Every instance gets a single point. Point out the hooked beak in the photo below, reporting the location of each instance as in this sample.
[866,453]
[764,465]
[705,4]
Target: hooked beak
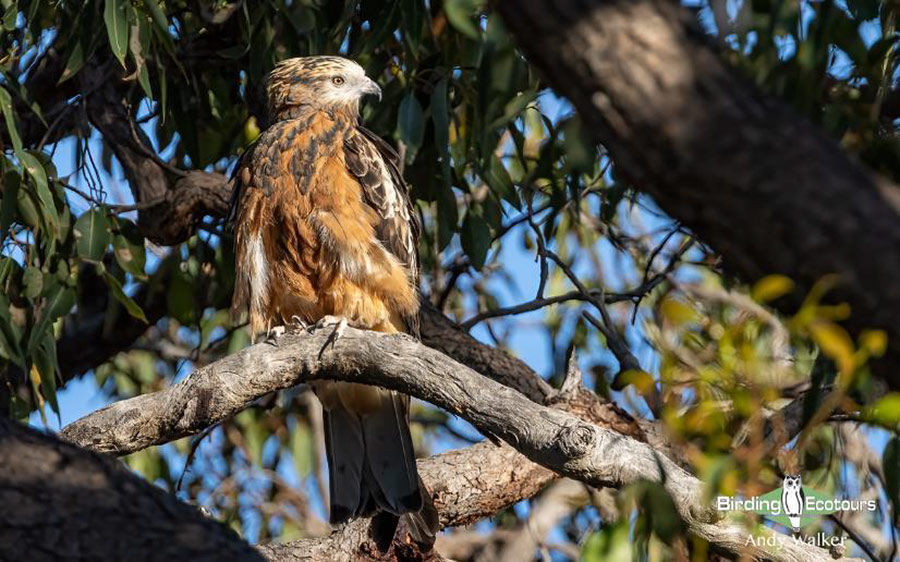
[371,87]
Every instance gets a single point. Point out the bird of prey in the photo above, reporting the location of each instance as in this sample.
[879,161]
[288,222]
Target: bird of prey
[325,232]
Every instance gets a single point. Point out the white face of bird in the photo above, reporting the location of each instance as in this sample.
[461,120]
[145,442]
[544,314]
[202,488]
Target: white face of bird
[326,82]
[347,85]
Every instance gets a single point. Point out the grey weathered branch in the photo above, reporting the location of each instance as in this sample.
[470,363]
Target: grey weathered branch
[56,487]
[547,436]
[466,485]
[752,179]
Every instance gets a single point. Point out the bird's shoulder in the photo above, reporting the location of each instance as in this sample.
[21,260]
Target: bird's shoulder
[283,158]
[376,167]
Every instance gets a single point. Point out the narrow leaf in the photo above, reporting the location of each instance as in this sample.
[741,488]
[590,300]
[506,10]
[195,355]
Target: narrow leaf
[475,237]
[460,15]
[128,247]
[115,15]
[411,124]
[9,116]
[74,64]
[117,291]
[58,301]
[152,6]
[34,282]
[48,207]
[10,17]
[46,361]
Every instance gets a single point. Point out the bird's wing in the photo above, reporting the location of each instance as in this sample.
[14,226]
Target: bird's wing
[241,296]
[237,183]
[256,179]
[376,166]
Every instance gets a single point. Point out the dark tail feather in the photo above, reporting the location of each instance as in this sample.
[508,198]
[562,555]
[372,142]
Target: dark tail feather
[372,467]
[424,524]
[390,468]
[346,457]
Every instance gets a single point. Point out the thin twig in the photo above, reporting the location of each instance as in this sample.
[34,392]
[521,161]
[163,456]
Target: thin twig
[856,538]
[140,147]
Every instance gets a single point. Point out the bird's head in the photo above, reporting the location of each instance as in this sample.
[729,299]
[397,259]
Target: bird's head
[334,84]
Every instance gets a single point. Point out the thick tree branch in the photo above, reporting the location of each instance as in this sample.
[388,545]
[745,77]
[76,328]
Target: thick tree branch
[57,486]
[548,436]
[466,485]
[88,341]
[60,117]
[172,202]
[65,503]
[756,182]
[442,334]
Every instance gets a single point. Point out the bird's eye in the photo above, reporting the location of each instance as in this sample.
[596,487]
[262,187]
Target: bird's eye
[338,80]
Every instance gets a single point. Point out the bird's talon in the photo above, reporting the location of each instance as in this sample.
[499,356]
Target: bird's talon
[298,324]
[340,325]
[273,333]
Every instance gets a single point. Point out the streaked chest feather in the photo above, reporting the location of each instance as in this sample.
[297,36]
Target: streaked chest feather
[312,245]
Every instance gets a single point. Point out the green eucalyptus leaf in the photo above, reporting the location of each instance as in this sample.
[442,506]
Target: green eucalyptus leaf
[6,108]
[497,177]
[92,235]
[411,124]
[119,293]
[57,302]
[513,108]
[44,359]
[158,16]
[115,15]
[460,14]
[74,63]
[10,17]
[34,282]
[42,186]
[611,543]
[475,237]
[128,247]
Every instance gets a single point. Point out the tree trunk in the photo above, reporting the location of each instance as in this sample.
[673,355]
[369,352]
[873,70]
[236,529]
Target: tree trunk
[752,179]
[63,503]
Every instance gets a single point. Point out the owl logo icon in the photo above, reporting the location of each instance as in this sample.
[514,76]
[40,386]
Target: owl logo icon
[792,500]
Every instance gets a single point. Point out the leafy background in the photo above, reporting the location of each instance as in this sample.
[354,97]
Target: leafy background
[502,174]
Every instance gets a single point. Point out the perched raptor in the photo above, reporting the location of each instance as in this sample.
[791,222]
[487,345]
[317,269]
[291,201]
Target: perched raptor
[324,229]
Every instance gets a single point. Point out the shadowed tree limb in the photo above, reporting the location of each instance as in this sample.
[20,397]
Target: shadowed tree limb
[66,503]
[56,485]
